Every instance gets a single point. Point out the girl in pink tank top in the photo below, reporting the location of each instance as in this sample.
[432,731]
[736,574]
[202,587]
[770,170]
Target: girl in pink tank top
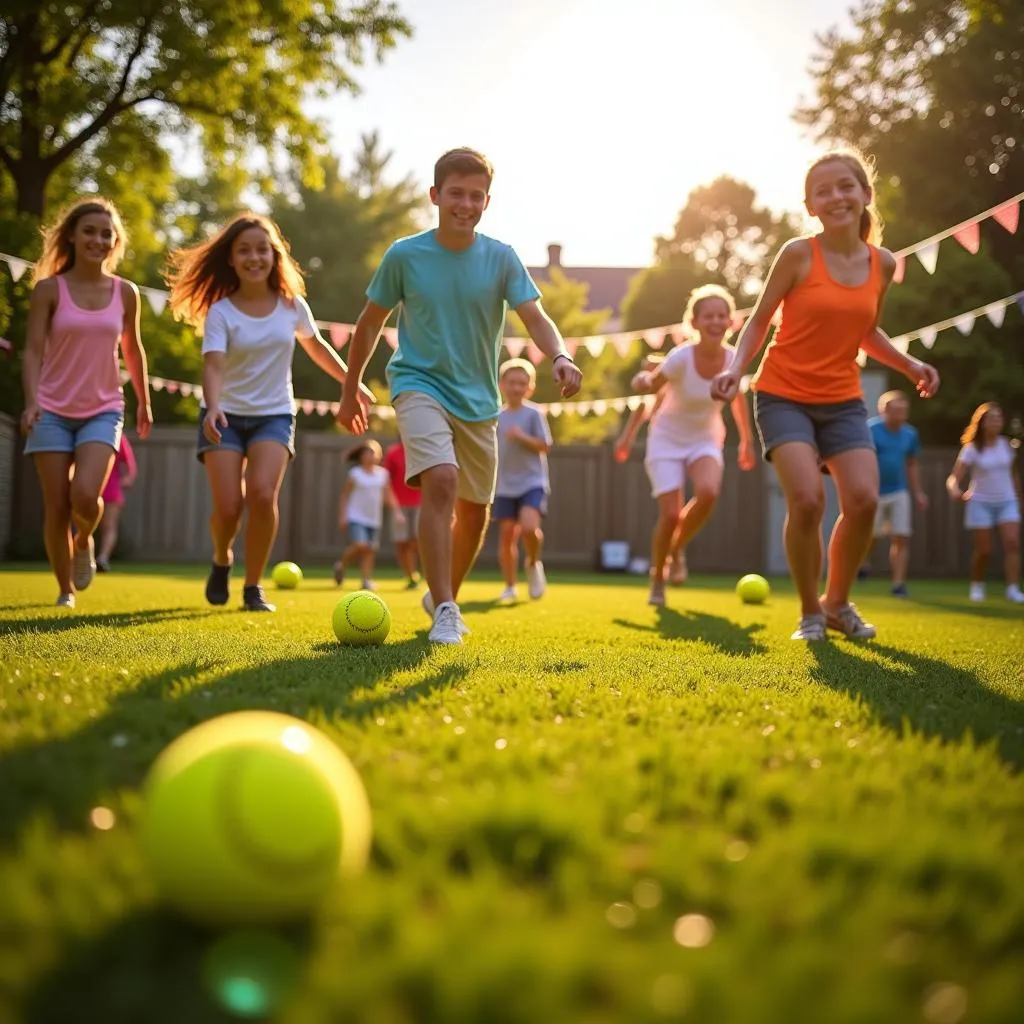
[81,317]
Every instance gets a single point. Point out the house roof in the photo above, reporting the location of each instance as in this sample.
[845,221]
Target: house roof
[608,285]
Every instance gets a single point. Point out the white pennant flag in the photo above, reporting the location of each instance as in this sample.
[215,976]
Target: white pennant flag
[964,324]
[901,344]
[515,346]
[595,345]
[745,383]
[18,267]
[156,383]
[322,408]
[928,336]
[618,404]
[157,300]
[555,409]
[929,256]
[600,407]
[862,358]
[583,408]
[186,390]
[623,343]
[996,313]
[634,402]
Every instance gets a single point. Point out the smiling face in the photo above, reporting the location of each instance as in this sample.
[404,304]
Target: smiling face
[252,256]
[991,425]
[515,386]
[93,239]
[712,319]
[460,201]
[836,195]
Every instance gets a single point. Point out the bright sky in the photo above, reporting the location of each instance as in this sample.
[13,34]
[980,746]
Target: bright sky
[599,115]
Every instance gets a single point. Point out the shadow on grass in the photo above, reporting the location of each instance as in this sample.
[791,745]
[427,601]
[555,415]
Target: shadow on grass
[723,634]
[60,622]
[933,697]
[998,608]
[65,777]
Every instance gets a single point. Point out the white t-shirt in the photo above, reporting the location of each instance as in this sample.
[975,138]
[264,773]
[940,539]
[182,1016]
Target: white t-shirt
[688,414]
[258,376]
[991,471]
[366,499]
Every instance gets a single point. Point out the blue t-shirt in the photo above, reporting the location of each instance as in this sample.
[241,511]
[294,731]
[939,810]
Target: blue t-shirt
[520,469]
[451,318]
[893,447]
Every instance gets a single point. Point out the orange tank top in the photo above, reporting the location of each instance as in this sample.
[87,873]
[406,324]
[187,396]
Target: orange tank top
[812,357]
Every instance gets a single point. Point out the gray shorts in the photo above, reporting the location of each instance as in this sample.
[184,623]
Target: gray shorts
[828,427]
[403,532]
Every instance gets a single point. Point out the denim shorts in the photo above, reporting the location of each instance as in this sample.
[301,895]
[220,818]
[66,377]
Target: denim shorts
[54,433]
[508,508]
[243,431]
[986,515]
[829,427]
[360,533]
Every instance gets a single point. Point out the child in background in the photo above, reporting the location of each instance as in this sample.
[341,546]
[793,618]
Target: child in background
[361,510]
[521,493]
[993,499]
[403,529]
[113,501]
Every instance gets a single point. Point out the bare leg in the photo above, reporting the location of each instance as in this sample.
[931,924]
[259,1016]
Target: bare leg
[403,555]
[706,476]
[93,462]
[264,474]
[467,539]
[980,555]
[1009,533]
[366,561]
[670,507]
[796,464]
[899,559]
[224,473]
[54,472]
[856,475]
[108,530]
[438,486]
[532,534]
[508,550]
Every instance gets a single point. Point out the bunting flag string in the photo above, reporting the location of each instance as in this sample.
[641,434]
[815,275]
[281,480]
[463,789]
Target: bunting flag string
[967,233]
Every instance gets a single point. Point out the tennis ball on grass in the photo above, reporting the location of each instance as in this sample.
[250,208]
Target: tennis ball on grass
[753,589]
[286,575]
[251,817]
[361,618]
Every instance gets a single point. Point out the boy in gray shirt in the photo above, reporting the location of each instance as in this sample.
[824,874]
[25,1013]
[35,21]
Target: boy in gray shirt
[521,494]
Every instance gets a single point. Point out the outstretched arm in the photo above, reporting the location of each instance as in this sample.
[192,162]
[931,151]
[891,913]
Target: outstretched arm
[548,339]
[364,341]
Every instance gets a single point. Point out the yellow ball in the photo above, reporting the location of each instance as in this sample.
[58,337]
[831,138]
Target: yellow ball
[286,575]
[251,817]
[361,618]
[753,589]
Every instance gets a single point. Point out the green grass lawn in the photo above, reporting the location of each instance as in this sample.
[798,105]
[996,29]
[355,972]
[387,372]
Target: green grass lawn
[593,811]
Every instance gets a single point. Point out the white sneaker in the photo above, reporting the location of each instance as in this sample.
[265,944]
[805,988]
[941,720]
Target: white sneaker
[66,601]
[977,591]
[447,622]
[428,606]
[538,582]
[508,595]
[1014,594]
[83,565]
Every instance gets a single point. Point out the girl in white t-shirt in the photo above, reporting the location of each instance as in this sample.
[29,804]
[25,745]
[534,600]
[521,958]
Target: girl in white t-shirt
[687,433]
[992,499]
[361,511]
[244,291]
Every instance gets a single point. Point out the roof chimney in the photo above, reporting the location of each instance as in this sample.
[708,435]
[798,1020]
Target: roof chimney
[554,255]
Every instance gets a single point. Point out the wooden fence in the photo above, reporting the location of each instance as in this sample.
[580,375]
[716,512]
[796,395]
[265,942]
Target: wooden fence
[594,499]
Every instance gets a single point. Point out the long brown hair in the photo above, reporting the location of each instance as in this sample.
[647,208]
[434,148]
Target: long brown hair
[973,434]
[202,274]
[58,252]
[864,172]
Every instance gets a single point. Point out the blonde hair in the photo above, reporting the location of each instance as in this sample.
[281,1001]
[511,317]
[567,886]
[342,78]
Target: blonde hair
[973,434]
[890,396]
[518,364]
[703,294]
[59,254]
[864,171]
[201,275]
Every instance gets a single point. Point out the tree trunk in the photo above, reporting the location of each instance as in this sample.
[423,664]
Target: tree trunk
[30,176]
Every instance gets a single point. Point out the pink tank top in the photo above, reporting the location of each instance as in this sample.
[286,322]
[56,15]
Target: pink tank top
[81,374]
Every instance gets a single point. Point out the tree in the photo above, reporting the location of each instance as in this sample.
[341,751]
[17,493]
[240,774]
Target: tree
[76,72]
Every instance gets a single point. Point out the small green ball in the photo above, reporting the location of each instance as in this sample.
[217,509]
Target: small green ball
[753,589]
[361,618]
[286,575]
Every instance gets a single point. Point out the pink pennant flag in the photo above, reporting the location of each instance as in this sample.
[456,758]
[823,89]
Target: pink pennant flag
[334,408]
[322,408]
[534,354]
[171,387]
[738,320]
[969,236]
[901,269]
[6,345]
[339,335]
[654,338]
[678,334]
[391,336]
[515,346]
[595,345]
[622,344]
[1008,215]
[307,405]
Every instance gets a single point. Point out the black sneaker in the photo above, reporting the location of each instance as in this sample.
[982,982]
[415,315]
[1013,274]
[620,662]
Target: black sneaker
[102,565]
[254,600]
[900,590]
[217,584]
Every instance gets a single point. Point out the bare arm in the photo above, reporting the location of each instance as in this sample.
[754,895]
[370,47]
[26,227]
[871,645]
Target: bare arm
[914,479]
[548,339]
[40,310]
[364,341]
[955,481]
[327,359]
[391,500]
[135,358]
[214,364]
[343,504]
[535,444]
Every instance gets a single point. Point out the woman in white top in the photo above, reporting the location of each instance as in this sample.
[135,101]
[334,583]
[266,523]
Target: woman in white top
[687,432]
[992,499]
[244,290]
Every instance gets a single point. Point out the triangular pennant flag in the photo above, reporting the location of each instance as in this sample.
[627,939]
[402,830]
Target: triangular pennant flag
[18,267]
[634,402]
[1007,215]
[385,412]
[862,358]
[171,387]
[737,322]
[655,338]
[186,390]
[600,407]
[901,344]
[322,408]
[156,383]
[965,323]
[555,409]
[198,394]
[339,335]
[678,334]
[928,336]
[901,269]
[969,236]
[745,383]
[618,404]
[307,405]
[777,317]
[622,344]
[534,354]
[929,256]
[391,336]
[595,345]
[6,345]
[157,300]
[335,408]
[515,346]
[996,313]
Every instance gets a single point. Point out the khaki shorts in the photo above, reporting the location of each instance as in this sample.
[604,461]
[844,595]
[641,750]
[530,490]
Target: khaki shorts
[406,531]
[432,436]
[893,515]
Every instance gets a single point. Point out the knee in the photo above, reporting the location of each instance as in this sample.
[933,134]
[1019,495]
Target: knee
[507,532]
[671,510]
[229,511]
[807,507]
[861,504]
[706,494]
[982,545]
[82,499]
[439,486]
[261,498]
[1011,544]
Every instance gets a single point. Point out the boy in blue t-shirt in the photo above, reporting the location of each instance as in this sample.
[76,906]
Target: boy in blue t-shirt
[453,287]
[896,445]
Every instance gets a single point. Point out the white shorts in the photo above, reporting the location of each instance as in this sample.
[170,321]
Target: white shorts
[892,517]
[669,474]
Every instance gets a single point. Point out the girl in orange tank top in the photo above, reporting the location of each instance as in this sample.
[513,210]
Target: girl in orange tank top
[808,403]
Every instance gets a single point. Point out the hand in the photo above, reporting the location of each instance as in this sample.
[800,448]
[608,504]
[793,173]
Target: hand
[342,524]
[352,416]
[399,516]
[212,422]
[568,377]
[514,434]
[953,490]
[144,421]
[366,398]
[924,377]
[30,417]
[921,500]
[622,450]
[725,385]
[745,459]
